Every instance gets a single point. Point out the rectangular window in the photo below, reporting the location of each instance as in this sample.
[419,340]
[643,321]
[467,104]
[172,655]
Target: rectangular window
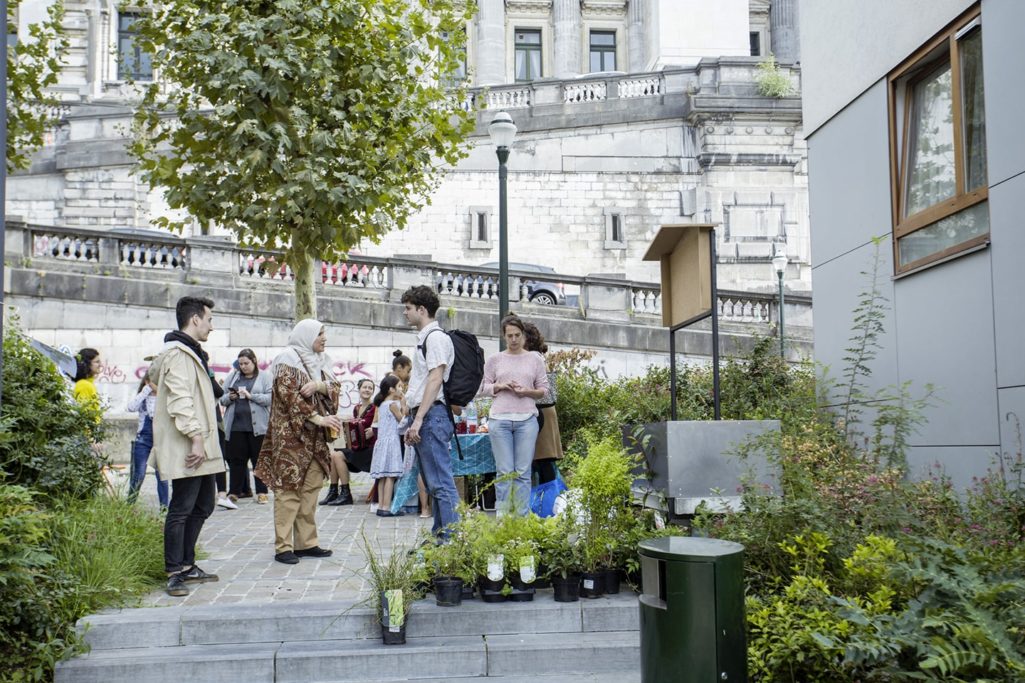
[480,227]
[603,51]
[528,55]
[132,62]
[755,39]
[938,148]
[615,230]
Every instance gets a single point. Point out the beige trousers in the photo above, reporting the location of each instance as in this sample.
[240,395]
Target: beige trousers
[295,526]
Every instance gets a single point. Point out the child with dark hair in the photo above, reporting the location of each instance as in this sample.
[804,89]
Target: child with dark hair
[387,466]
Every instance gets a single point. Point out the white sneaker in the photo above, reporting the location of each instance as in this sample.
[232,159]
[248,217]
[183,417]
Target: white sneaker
[373,507]
[225,502]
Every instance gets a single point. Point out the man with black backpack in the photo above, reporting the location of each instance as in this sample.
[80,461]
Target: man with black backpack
[431,430]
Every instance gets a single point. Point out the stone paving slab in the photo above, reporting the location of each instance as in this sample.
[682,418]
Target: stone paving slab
[239,548]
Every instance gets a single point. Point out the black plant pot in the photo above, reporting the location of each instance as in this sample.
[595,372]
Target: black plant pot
[394,637]
[448,591]
[611,581]
[566,589]
[522,591]
[468,591]
[490,591]
[592,584]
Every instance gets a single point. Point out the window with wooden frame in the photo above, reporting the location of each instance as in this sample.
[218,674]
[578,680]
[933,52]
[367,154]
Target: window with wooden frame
[938,148]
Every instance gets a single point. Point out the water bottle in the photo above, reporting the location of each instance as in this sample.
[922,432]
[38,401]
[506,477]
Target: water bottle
[471,418]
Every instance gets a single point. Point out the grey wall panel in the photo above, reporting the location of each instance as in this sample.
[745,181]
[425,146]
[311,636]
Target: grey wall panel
[847,44]
[849,178]
[838,285]
[1007,231]
[1012,421]
[959,463]
[1003,54]
[945,336]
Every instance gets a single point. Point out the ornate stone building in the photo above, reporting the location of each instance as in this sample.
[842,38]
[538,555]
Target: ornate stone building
[633,113]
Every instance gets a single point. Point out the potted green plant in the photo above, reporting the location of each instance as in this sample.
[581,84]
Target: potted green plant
[396,583]
[562,556]
[454,565]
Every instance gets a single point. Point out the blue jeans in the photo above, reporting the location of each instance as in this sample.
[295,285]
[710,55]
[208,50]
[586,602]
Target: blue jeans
[436,466]
[512,444]
[141,448]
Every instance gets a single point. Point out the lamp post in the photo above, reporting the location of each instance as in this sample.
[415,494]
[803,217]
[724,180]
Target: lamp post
[779,264]
[502,131]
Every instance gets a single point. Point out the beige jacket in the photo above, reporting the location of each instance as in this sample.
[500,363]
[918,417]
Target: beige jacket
[185,407]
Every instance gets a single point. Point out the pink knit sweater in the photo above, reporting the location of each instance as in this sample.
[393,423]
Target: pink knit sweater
[526,369]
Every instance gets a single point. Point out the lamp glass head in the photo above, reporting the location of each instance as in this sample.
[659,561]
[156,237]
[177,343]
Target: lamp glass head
[779,262]
[502,130]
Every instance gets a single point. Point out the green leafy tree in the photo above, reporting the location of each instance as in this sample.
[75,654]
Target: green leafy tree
[33,65]
[306,125]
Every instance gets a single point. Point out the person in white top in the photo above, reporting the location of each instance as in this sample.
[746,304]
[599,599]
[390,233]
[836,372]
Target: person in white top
[431,429]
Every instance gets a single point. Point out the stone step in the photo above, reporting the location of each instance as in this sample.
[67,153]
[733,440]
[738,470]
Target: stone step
[174,627]
[557,656]
[611,677]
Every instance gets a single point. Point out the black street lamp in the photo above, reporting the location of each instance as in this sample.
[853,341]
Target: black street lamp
[502,131]
[779,264]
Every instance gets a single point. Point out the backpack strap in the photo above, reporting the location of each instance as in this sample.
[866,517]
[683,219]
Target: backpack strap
[423,347]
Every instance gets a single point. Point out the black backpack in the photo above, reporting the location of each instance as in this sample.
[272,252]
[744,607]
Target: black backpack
[467,371]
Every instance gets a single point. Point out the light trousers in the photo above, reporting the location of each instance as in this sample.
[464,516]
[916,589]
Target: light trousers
[295,524]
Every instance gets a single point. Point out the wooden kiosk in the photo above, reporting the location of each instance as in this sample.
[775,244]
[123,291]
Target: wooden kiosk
[689,292]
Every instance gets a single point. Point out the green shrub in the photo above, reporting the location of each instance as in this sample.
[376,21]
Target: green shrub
[772,82]
[59,565]
[113,548]
[46,437]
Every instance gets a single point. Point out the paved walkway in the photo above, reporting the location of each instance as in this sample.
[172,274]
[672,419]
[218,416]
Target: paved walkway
[239,547]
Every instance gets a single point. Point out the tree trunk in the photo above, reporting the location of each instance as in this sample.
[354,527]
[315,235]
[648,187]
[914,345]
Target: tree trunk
[305,287]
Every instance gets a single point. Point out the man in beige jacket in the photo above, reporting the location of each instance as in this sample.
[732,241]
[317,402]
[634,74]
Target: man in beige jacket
[185,441]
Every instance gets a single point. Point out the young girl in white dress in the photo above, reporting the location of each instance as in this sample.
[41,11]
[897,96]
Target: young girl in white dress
[386,465]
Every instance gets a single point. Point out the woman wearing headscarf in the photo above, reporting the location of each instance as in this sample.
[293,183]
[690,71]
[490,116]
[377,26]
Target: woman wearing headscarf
[295,454]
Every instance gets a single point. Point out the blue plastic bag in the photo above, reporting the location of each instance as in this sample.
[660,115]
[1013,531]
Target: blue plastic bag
[542,496]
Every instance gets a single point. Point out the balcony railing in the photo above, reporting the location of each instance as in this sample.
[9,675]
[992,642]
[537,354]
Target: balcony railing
[585,296]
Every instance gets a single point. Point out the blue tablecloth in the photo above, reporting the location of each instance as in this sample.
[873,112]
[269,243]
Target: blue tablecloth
[477,459]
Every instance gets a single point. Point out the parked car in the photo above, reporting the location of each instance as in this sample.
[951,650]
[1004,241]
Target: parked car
[547,291]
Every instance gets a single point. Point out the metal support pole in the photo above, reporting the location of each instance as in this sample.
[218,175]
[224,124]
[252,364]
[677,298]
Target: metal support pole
[672,374]
[503,242]
[715,326]
[781,348]
[3,188]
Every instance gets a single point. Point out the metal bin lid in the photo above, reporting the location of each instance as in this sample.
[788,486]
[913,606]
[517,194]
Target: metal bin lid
[688,549]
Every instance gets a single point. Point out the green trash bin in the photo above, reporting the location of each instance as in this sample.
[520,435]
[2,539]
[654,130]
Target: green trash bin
[692,611]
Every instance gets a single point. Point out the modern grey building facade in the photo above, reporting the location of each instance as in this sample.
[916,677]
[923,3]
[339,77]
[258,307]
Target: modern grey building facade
[912,110]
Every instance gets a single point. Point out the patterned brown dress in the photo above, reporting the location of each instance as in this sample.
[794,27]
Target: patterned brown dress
[292,442]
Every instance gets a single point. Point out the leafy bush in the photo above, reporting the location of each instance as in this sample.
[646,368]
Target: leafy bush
[757,386]
[46,437]
[772,82]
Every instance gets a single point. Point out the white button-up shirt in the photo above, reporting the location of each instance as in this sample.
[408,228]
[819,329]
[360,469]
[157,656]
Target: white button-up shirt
[439,352]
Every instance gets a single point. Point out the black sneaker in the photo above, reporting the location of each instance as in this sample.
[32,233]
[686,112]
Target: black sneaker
[315,551]
[176,585]
[287,557]
[197,575]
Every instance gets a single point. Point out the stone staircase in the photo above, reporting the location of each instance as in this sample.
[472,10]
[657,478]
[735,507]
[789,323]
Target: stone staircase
[591,640]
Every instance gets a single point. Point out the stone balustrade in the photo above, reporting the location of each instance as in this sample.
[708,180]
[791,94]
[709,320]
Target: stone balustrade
[136,253]
[709,78]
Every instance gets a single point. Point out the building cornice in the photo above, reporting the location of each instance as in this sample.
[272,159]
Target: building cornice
[603,8]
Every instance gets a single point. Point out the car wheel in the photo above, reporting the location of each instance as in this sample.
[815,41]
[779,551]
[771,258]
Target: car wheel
[544,299]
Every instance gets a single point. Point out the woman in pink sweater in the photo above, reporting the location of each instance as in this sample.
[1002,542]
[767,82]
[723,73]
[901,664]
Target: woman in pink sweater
[516,378]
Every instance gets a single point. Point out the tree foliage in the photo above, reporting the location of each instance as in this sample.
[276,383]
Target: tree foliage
[32,67]
[306,125]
